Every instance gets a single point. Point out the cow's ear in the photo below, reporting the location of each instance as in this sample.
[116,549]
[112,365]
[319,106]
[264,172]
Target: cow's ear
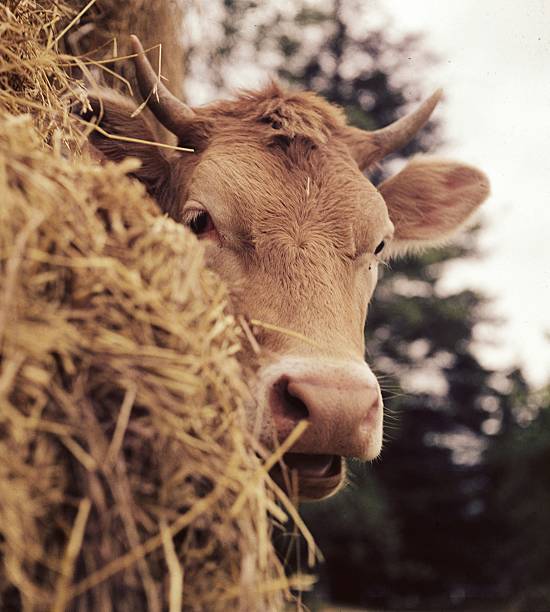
[120,129]
[429,199]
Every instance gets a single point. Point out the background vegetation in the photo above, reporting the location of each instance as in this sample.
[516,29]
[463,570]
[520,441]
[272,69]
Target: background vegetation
[455,514]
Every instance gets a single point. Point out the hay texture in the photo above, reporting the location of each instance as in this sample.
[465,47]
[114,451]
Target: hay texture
[31,78]
[127,478]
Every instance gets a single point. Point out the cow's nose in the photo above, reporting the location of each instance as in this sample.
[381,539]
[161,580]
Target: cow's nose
[342,405]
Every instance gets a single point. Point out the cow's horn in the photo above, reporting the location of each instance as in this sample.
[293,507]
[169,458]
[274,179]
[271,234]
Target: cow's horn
[171,112]
[369,147]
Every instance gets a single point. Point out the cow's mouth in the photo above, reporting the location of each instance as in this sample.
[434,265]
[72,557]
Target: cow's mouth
[316,476]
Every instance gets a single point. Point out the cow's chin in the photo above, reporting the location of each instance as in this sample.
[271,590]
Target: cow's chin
[310,477]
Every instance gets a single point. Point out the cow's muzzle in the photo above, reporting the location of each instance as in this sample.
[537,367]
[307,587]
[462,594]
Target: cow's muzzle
[342,403]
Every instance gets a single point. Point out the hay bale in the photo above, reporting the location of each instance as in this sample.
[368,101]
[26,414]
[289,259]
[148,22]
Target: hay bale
[120,410]
[127,479]
[31,77]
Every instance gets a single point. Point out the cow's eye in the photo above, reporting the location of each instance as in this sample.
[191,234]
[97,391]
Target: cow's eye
[379,248]
[199,222]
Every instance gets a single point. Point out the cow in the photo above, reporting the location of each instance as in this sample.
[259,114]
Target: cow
[276,191]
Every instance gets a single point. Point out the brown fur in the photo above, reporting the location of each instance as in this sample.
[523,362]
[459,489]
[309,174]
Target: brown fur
[297,221]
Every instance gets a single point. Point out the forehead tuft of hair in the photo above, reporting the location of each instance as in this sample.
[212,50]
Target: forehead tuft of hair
[289,114]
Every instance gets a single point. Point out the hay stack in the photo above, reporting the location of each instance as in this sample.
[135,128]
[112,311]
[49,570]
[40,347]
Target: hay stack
[31,76]
[127,479]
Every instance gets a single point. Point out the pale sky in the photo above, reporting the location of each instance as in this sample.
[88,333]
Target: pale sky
[495,70]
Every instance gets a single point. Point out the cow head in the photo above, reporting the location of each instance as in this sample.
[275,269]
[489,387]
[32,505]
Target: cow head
[276,191]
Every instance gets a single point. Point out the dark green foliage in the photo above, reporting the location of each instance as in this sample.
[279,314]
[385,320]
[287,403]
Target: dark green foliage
[518,462]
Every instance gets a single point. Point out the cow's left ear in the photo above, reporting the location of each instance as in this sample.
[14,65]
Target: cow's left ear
[430,198]
[123,133]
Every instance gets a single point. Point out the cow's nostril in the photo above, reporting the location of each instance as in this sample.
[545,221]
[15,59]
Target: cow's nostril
[290,406]
[295,407]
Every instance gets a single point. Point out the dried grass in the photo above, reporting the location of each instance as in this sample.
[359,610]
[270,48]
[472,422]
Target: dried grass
[127,478]
[31,80]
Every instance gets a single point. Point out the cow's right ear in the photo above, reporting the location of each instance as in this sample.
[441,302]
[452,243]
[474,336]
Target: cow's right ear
[119,130]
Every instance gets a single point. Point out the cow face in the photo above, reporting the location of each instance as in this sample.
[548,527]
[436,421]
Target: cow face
[276,191]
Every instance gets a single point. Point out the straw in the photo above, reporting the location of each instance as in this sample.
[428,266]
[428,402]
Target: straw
[127,480]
